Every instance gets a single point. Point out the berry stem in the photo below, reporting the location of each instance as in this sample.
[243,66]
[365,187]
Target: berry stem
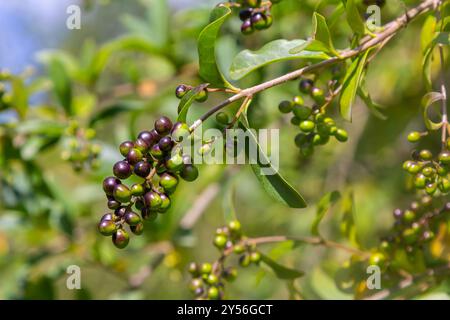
[383,37]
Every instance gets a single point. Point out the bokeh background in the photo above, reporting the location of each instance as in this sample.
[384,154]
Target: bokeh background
[48,211]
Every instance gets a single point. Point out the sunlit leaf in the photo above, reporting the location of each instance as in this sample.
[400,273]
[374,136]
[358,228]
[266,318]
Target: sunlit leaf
[322,208]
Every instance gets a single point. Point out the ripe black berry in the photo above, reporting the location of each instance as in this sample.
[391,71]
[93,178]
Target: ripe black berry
[189,172]
[109,184]
[245,14]
[134,156]
[122,169]
[180,91]
[142,169]
[306,85]
[163,125]
[165,144]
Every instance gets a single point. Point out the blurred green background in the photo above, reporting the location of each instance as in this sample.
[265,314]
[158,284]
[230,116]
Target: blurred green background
[123,66]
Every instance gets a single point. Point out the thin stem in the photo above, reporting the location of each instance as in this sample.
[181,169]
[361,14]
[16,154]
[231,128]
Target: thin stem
[382,38]
[444,99]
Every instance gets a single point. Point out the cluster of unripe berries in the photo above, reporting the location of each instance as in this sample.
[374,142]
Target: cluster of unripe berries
[430,173]
[209,279]
[315,126]
[156,161]
[255,15]
[414,227]
[79,147]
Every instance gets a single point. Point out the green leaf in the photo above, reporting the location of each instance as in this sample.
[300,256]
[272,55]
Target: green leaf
[61,84]
[127,43]
[348,228]
[322,208]
[275,185]
[427,44]
[248,61]
[209,70]
[354,19]
[427,101]
[115,109]
[280,271]
[443,38]
[350,85]
[322,33]
[187,101]
[374,108]
[19,96]
[43,127]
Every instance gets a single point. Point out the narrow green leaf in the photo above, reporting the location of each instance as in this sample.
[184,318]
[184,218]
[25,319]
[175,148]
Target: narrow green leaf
[426,40]
[321,32]
[443,38]
[248,61]
[41,127]
[280,271]
[275,185]
[354,19]
[427,101]
[348,228]
[322,208]
[61,84]
[350,85]
[374,108]
[209,69]
[115,109]
[187,101]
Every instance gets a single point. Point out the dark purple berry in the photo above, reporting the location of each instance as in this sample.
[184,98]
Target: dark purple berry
[245,14]
[246,27]
[142,169]
[165,144]
[113,204]
[150,137]
[258,21]
[120,238]
[109,184]
[134,156]
[122,170]
[141,145]
[163,125]
[306,85]
[180,91]
[156,152]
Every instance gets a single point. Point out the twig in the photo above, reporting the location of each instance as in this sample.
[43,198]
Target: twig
[388,32]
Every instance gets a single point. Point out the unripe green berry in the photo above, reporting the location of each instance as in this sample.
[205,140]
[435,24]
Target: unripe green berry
[222,118]
[132,218]
[212,279]
[409,216]
[180,131]
[202,96]
[298,101]
[255,257]
[318,95]
[165,203]
[307,126]
[230,274]
[420,181]
[444,185]
[341,135]
[431,188]
[220,241]
[244,260]
[122,193]
[152,200]
[414,136]
[206,268]
[285,106]
[213,293]
[295,121]
[189,172]
[238,249]
[426,155]
[168,181]
[444,157]
[174,163]
[234,226]
[107,227]
[302,112]
[378,259]
[137,189]
[125,147]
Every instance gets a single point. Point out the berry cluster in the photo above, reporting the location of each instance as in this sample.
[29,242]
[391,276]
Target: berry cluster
[316,127]
[156,159]
[430,174]
[79,148]
[255,15]
[182,89]
[208,279]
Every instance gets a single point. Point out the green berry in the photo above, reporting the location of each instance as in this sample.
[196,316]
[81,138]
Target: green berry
[180,132]
[409,216]
[122,193]
[414,167]
[107,227]
[212,279]
[220,241]
[206,268]
[120,238]
[255,257]
[420,181]
[298,101]
[168,181]
[175,163]
[165,203]
[426,155]
[195,284]
[341,135]
[378,259]
[414,136]
[213,293]
[431,188]
[295,121]
[302,112]
[444,157]
[132,218]
[234,226]
[193,269]
[259,21]
[285,106]
[189,172]
[202,96]
[137,189]
[222,118]
[307,126]
[300,140]
[244,260]
[444,185]
[125,147]
[306,85]
[318,95]
[247,27]
[238,249]
[152,200]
